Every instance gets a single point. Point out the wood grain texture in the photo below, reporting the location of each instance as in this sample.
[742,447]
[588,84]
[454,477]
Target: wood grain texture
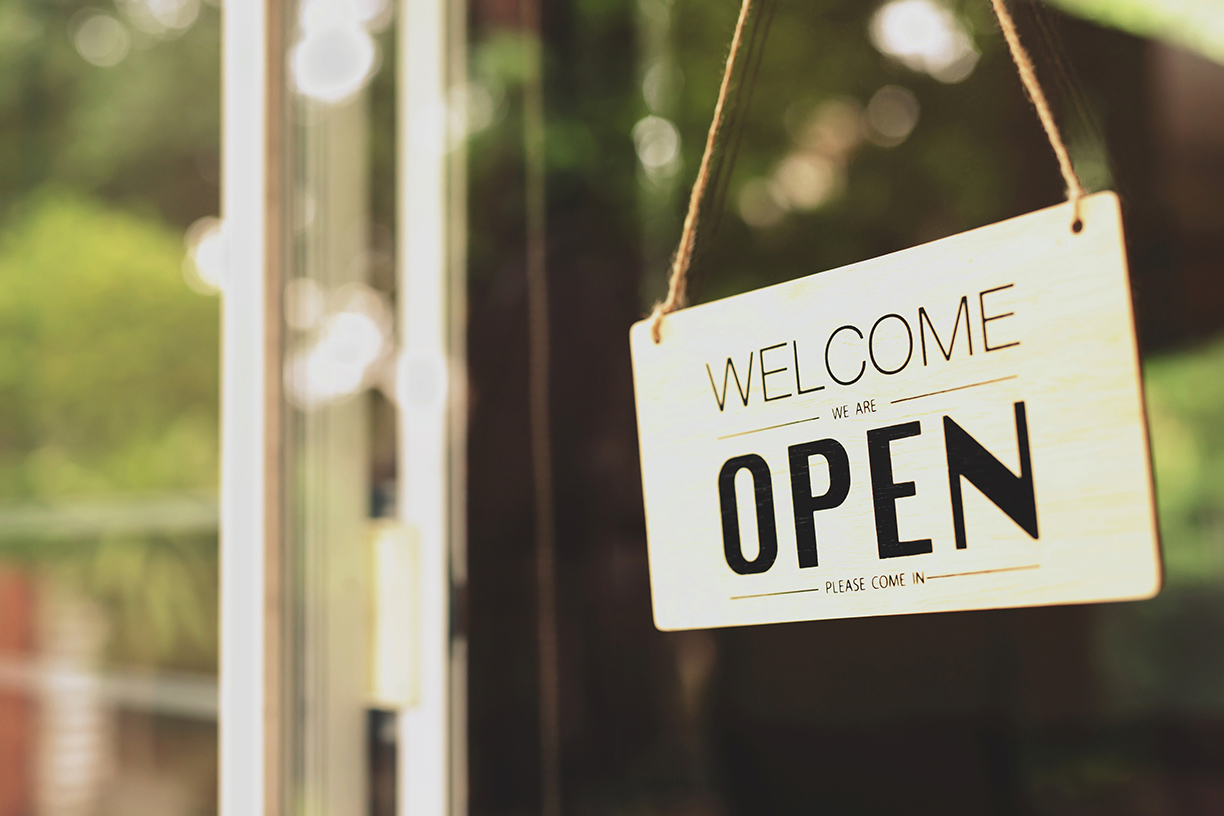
[946,356]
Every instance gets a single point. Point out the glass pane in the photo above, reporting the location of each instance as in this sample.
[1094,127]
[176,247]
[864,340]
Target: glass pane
[855,129]
[109,256]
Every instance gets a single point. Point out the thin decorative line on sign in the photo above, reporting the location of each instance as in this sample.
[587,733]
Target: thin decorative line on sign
[771,594]
[957,388]
[986,572]
[770,427]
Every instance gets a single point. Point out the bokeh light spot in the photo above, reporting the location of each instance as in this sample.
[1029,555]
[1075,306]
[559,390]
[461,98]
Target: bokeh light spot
[924,35]
[759,205]
[206,266]
[892,115]
[336,55]
[101,40]
[807,181]
[658,146]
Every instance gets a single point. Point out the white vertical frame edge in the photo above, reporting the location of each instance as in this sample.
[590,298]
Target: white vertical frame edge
[244,603]
[424,439]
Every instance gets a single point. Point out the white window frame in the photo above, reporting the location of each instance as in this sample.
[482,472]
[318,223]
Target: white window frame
[432,730]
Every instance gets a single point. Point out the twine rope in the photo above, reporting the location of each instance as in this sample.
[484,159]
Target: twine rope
[678,282]
[1028,76]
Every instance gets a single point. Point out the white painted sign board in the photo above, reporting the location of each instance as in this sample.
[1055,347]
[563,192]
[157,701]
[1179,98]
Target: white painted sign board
[956,426]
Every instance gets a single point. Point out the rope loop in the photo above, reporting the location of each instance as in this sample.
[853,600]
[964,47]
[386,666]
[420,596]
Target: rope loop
[1028,76]
[678,282]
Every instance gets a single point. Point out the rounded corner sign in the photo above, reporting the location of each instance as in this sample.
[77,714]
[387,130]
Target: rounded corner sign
[955,426]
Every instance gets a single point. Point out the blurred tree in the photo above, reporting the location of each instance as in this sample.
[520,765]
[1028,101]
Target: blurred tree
[108,384]
[108,362]
[113,99]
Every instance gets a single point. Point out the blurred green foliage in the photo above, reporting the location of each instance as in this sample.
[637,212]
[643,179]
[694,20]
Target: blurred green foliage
[143,133]
[1163,655]
[161,593]
[108,385]
[1194,24]
[1185,400]
[108,361]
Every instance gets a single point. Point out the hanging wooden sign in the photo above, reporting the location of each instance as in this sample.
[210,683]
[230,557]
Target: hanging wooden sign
[956,426]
